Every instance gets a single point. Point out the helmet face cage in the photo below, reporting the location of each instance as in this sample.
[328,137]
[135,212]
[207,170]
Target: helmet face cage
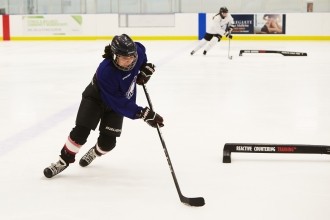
[123,45]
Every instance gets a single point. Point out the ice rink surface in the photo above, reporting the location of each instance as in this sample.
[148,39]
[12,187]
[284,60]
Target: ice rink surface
[206,101]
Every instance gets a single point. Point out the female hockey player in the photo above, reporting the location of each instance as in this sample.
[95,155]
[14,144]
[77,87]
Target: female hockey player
[107,99]
[222,25]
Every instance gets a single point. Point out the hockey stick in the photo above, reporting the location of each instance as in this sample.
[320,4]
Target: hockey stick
[228,31]
[198,201]
[229,57]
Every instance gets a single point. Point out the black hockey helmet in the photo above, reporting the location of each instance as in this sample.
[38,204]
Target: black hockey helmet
[123,45]
[223,10]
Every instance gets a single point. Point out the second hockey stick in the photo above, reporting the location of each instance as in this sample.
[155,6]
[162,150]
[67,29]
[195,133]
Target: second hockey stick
[198,201]
[228,31]
[229,56]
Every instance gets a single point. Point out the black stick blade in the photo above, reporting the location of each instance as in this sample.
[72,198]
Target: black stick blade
[198,201]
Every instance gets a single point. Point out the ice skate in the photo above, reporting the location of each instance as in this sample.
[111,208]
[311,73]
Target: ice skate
[55,168]
[204,52]
[192,52]
[88,157]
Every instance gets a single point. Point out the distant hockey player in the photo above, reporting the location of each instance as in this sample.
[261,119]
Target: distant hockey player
[109,98]
[222,25]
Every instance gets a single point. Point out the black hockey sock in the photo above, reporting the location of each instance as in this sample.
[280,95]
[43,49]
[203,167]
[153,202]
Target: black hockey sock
[67,156]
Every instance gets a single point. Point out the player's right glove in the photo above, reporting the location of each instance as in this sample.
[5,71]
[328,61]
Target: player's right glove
[145,73]
[151,117]
[228,35]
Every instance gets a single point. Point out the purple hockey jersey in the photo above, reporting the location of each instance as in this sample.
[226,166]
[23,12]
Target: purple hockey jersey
[118,88]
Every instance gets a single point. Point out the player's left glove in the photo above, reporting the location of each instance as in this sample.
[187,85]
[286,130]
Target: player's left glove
[145,73]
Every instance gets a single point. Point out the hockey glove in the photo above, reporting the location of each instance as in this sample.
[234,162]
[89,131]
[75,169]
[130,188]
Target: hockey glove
[145,73]
[151,117]
[228,35]
[229,28]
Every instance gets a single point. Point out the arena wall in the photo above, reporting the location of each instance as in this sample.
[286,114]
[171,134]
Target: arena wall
[181,26]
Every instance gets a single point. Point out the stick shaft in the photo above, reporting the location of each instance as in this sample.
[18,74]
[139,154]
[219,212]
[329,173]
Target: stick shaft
[229,49]
[164,146]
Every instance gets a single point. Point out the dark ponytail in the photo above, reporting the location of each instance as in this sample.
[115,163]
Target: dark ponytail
[215,15]
[107,52]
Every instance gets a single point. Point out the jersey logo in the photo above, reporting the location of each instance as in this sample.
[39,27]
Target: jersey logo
[126,76]
[130,91]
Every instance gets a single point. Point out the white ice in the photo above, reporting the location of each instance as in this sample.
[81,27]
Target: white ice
[206,101]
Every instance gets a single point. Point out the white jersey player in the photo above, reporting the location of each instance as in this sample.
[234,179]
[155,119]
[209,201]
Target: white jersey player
[222,25]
